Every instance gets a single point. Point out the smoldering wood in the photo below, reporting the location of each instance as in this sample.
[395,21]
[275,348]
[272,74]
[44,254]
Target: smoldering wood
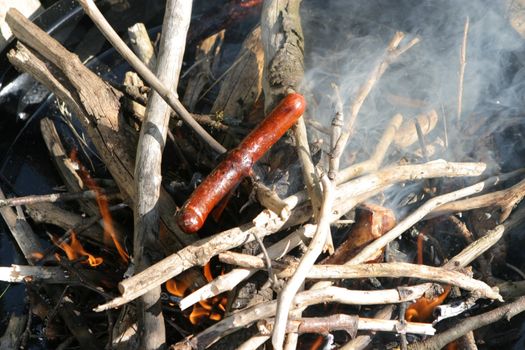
[268,222]
[303,299]
[461,328]
[94,102]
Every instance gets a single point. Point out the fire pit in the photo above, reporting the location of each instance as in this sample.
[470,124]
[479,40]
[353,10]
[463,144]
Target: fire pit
[388,216]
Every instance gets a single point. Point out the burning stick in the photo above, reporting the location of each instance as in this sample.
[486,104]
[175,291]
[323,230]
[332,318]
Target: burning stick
[472,323]
[245,317]
[356,189]
[268,222]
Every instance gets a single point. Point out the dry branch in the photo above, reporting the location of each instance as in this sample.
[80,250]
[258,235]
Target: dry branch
[29,274]
[505,199]
[94,102]
[327,295]
[392,52]
[469,324]
[349,323]
[170,97]
[148,177]
[268,222]
[141,44]
[307,261]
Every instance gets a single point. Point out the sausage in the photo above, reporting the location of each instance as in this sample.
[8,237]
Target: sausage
[238,162]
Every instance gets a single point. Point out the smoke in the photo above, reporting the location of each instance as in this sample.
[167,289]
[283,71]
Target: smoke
[345,40]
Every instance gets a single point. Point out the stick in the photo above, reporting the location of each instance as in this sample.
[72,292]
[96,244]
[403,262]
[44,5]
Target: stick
[462,64]
[393,270]
[52,198]
[167,95]
[267,222]
[349,323]
[143,47]
[23,274]
[148,175]
[439,341]
[245,317]
[506,199]
[377,157]
[391,54]
[310,256]
[417,215]
[362,341]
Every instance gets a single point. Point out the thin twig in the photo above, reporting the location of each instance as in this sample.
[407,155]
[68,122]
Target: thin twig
[462,64]
[472,323]
[53,197]
[170,97]
[314,250]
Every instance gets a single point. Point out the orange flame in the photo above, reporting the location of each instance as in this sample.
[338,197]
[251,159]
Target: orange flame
[423,308]
[109,231]
[75,250]
[318,342]
[211,309]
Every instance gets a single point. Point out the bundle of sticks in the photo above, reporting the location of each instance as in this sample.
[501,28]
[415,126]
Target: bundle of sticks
[304,266]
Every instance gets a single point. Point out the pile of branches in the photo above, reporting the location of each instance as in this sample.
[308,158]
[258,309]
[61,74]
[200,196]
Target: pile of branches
[270,64]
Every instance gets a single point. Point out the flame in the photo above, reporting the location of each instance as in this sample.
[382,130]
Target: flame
[209,309]
[250,3]
[102,202]
[422,309]
[318,342]
[75,250]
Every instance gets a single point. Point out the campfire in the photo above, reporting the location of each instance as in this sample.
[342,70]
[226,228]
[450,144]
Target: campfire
[272,174]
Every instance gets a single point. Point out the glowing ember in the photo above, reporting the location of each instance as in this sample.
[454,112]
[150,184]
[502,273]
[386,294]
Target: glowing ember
[75,250]
[109,231]
[318,342]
